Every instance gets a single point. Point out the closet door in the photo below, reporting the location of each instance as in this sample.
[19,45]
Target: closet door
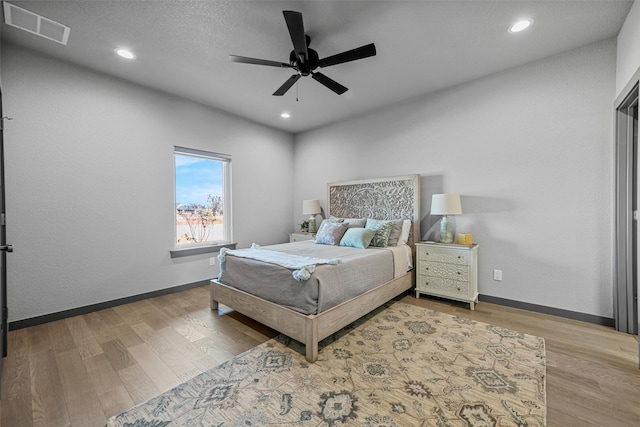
[3,253]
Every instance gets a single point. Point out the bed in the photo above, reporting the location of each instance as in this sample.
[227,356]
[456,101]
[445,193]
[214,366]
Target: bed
[313,318]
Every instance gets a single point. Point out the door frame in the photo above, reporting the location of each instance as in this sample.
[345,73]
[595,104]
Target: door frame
[625,264]
[624,238]
[4,324]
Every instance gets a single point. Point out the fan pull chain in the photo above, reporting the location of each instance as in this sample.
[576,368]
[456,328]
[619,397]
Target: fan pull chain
[297,100]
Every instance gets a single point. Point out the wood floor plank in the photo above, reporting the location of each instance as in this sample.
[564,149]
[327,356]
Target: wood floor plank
[85,341]
[115,401]
[180,365]
[49,406]
[17,399]
[127,336]
[189,333]
[128,314]
[39,340]
[138,384]
[102,374]
[101,331]
[179,341]
[111,317]
[155,368]
[158,319]
[80,396]
[117,354]
[152,337]
[60,336]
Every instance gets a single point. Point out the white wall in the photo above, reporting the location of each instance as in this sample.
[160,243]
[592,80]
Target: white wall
[529,150]
[89,184]
[628,57]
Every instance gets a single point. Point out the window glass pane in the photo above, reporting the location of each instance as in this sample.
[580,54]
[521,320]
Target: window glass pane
[200,196]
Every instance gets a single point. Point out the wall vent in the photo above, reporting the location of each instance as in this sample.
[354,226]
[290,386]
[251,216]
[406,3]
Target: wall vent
[35,24]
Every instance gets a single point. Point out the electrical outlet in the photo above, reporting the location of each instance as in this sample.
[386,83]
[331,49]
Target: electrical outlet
[497,275]
[212,261]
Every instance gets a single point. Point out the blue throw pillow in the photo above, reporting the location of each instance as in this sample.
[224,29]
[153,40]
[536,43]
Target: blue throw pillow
[357,237]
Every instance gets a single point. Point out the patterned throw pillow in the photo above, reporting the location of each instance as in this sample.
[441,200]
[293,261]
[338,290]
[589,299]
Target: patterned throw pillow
[382,229]
[396,230]
[331,232]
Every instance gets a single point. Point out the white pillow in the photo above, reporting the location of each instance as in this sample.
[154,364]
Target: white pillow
[404,234]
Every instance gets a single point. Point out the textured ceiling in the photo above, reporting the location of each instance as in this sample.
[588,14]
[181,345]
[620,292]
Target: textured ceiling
[183,47]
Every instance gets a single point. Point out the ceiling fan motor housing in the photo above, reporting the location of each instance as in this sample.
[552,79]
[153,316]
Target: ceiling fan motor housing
[304,65]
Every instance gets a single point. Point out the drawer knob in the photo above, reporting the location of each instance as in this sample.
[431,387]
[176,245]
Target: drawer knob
[459,256]
[459,273]
[426,283]
[458,288]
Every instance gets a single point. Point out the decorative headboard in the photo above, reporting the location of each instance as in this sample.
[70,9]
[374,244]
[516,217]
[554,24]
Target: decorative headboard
[379,198]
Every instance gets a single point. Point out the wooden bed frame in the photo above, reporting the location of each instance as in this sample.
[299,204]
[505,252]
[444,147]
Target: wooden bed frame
[383,198]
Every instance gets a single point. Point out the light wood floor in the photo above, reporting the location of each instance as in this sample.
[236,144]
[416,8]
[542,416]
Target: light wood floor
[80,371]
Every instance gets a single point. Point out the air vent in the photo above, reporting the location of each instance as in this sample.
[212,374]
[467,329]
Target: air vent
[35,24]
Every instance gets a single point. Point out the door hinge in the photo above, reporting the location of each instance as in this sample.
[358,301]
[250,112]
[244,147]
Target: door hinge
[2,219]
[635,215]
[5,313]
[2,119]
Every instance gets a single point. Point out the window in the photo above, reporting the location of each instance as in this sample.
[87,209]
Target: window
[202,202]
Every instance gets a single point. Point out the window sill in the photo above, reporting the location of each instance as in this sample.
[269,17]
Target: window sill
[176,253]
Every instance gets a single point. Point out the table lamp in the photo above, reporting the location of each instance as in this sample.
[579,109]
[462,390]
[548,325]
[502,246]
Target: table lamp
[447,205]
[311,207]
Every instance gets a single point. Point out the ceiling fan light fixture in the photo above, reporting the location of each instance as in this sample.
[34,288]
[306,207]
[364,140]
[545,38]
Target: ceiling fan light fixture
[285,115]
[125,53]
[521,25]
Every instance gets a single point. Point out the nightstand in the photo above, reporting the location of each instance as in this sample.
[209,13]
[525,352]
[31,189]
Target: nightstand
[298,236]
[447,270]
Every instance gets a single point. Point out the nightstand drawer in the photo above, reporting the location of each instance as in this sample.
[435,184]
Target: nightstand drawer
[452,271]
[449,256]
[442,286]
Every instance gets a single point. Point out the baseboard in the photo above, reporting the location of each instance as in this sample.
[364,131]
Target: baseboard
[38,320]
[558,312]
[34,321]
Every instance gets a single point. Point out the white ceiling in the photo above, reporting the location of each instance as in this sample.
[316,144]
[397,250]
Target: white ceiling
[183,47]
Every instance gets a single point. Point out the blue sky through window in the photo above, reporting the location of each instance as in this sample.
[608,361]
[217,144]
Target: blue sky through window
[196,178]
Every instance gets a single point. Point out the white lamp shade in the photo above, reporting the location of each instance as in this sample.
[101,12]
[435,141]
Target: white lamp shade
[446,204]
[311,207]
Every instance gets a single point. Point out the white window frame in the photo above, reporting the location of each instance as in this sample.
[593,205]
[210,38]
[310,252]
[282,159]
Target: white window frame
[181,250]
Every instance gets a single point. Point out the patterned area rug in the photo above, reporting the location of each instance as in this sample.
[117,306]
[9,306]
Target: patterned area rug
[399,366]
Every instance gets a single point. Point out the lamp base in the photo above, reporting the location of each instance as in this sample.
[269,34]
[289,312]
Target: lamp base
[447,226]
[312,224]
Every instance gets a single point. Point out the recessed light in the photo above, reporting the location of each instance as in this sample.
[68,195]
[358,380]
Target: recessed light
[520,25]
[125,53]
[285,115]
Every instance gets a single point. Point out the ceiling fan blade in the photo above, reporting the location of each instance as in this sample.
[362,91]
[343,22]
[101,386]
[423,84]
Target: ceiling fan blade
[350,55]
[296,31]
[287,85]
[330,83]
[256,61]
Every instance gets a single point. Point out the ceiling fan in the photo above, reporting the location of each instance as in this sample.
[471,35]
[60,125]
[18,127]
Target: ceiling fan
[305,60]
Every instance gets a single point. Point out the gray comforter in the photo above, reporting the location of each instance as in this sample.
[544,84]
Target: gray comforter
[358,271]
